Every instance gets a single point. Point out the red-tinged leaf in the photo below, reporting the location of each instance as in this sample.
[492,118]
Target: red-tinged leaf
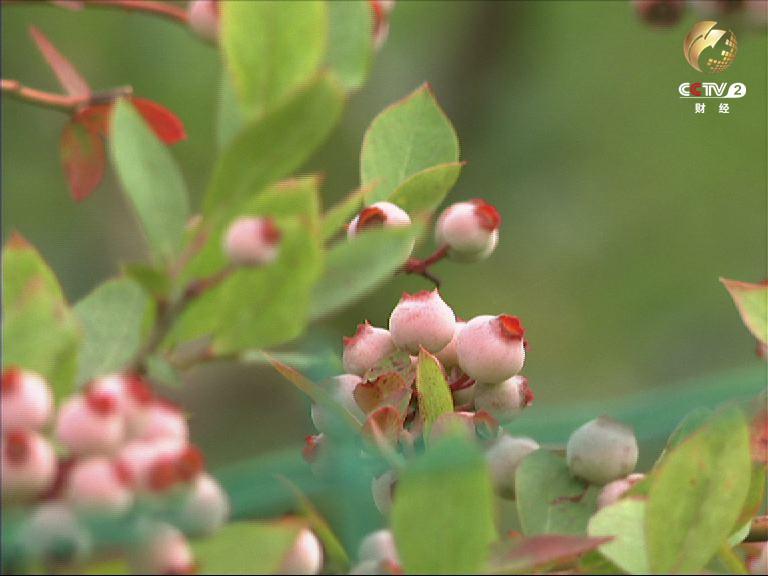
[83,158]
[752,303]
[68,76]
[384,389]
[96,118]
[527,554]
[385,423]
[165,123]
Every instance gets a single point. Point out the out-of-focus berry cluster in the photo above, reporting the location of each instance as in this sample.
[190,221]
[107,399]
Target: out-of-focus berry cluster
[667,13]
[114,453]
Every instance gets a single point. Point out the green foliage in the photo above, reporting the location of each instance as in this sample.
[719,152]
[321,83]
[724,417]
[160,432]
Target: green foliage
[271,48]
[112,317]
[625,523]
[549,499]
[152,279]
[443,516]
[231,116]
[407,137]
[697,495]
[151,179]
[247,548]
[752,302]
[434,395]
[425,190]
[336,218]
[355,267]
[40,332]
[265,306]
[350,42]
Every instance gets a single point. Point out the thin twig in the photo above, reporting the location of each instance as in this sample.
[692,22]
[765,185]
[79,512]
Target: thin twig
[52,100]
[421,267]
[162,9]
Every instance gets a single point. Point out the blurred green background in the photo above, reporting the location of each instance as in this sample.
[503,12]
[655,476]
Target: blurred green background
[621,206]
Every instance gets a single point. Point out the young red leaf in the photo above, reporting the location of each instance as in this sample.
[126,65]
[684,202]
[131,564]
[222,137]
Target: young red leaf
[373,394]
[168,127]
[528,554]
[96,118]
[69,78]
[83,158]
[386,423]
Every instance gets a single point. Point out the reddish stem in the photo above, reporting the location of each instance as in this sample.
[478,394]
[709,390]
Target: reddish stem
[17,90]
[421,267]
[162,9]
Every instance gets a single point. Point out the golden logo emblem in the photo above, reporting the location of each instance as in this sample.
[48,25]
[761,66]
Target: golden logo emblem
[709,49]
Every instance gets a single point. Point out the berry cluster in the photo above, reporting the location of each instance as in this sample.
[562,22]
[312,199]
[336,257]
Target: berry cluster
[125,455]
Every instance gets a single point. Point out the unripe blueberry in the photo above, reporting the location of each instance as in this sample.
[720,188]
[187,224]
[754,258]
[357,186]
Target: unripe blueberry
[28,465]
[131,394]
[252,241]
[614,491]
[422,320]
[378,215]
[383,490]
[162,549]
[54,537]
[99,485]
[448,356]
[205,508]
[27,403]
[469,229]
[163,420]
[305,557]
[204,19]
[602,450]
[503,457]
[368,347]
[505,400]
[90,423]
[378,545]
[341,389]
[490,348]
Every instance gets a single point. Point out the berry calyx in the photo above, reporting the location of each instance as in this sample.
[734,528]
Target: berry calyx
[470,230]
[378,215]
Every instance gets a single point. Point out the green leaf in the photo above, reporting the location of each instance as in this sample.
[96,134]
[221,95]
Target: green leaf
[112,317]
[752,303]
[549,499]
[265,306]
[407,137]
[151,179]
[247,548]
[336,218]
[425,190]
[271,48]
[231,117]
[161,371]
[697,495]
[154,280]
[625,522]
[443,514]
[355,267]
[350,42]
[434,395]
[40,332]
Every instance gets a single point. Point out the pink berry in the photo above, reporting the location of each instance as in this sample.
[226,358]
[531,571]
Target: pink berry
[27,403]
[759,564]
[98,485]
[506,400]
[132,395]
[204,19]
[377,546]
[491,348]
[163,420]
[422,320]
[305,557]
[252,241]
[53,537]
[162,549]
[602,450]
[448,356]
[90,424]
[28,465]
[368,347]
[205,507]
[383,490]
[503,457]
[614,491]
[341,389]
[378,215]
[469,229]
[144,461]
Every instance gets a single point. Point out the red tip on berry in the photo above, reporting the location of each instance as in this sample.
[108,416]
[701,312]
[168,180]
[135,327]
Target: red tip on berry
[489,216]
[361,329]
[422,295]
[17,447]
[270,233]
[510,327]
[139,389]
[11,380]
[311,448]
[123,474]
[371,217]
[527,393]
[102,403]
[163,474]
[190,463]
